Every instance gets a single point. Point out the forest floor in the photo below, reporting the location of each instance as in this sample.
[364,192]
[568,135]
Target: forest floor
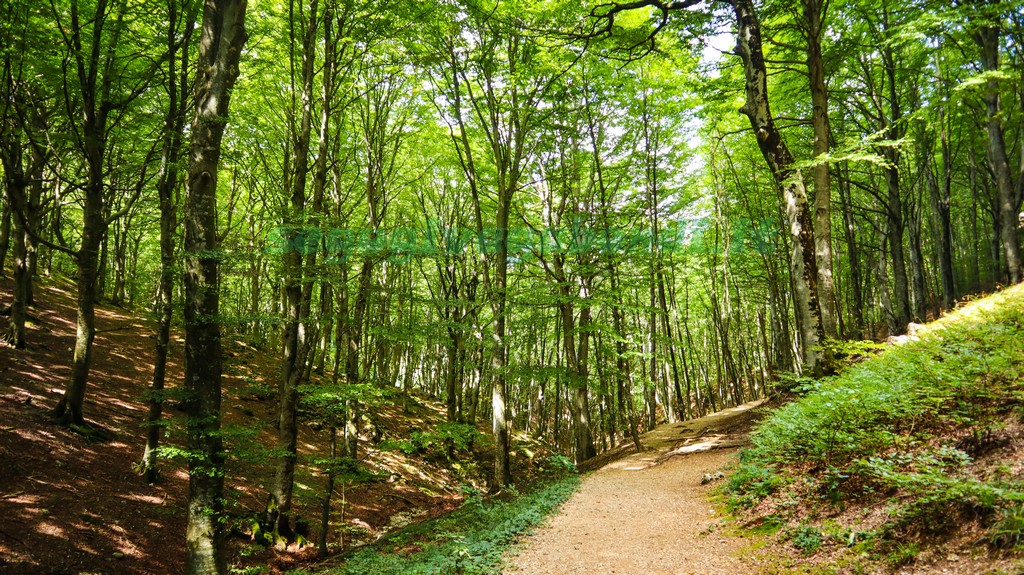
[72,503]
[649,512]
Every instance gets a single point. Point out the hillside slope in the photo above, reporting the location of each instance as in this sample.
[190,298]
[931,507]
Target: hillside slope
[74,504]
[911,461]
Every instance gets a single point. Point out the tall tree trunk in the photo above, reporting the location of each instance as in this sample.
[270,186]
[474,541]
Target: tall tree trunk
[500,426]
[624,377]
[853,255]
[95,85]
[803,264]
[69,410]
[220,46]
[1007,200]
[891,124]
[353,347]
[941,204]
[975,261]
[296,337]
[167,180]
[814,15]
[918,288]
[894,227]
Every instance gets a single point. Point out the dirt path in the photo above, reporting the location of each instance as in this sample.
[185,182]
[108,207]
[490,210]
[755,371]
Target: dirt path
[647,513]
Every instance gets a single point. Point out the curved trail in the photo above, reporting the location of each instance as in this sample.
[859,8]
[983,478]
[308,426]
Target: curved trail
[647,513]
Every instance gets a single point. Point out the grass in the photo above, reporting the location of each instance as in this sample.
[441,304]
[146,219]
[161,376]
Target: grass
[910,429]
[472,540]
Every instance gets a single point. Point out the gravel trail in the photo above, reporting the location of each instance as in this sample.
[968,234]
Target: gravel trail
[647,513]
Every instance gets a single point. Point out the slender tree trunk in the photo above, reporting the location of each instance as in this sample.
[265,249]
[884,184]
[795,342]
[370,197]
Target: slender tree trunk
[325,507]
[15,186]
[167,180]
[1007,202]
[499,392]
[451,381]
[894,227]
[296,336]
[941,204]
[220,47]
[69,410]
[803,264]
[975,261]
[94,90]
[854,257]
[894,224]
[919,290]
[353,347]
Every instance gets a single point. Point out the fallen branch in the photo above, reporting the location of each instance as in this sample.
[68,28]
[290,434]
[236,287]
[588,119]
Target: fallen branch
[48,484]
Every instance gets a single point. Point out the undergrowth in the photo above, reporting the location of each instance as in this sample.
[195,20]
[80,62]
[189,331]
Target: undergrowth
[471,540]
[905,430]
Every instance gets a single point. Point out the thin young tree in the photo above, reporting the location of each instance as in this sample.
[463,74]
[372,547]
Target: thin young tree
[178,90]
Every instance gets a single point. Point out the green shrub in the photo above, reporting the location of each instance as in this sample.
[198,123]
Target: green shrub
[471,540]
[751,482]
[445,439]
[806,538]
[907,423]
[1008,530]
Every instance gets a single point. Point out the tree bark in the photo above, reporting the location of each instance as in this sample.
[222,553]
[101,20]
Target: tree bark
[940,195]
[988,38]
[95,83]
[220,47]
[15,185]
[167,180]
[296,337]
[814,21]
[5,235]
[919,290]
[499,394]
[854,257]
[803,264]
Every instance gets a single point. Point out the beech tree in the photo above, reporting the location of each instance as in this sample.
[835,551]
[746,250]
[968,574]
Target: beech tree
[220,46]
[599,216]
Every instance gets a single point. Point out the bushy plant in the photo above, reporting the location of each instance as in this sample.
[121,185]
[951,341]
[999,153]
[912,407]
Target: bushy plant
[806,538]
[908,424]
[469,541]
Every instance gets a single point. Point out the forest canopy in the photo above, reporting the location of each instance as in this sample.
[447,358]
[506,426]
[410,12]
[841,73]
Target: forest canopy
[571,219]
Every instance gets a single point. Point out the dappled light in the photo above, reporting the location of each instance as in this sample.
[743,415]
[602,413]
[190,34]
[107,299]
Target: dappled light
[365,287]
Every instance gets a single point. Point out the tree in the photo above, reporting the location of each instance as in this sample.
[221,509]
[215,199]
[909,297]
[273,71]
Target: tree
[178,92]
[220,46]
[297,339]
[490,71]
[988,34]
[102,81]
[803,264]
[780,161]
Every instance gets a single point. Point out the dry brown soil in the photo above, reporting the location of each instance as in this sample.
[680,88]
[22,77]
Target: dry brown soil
[647,513]
[71,505]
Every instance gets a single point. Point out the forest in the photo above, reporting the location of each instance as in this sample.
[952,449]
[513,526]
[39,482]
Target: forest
[571,220]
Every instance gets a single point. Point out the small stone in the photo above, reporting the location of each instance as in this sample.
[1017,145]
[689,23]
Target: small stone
[952,557]
[710,477]
[117,555]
